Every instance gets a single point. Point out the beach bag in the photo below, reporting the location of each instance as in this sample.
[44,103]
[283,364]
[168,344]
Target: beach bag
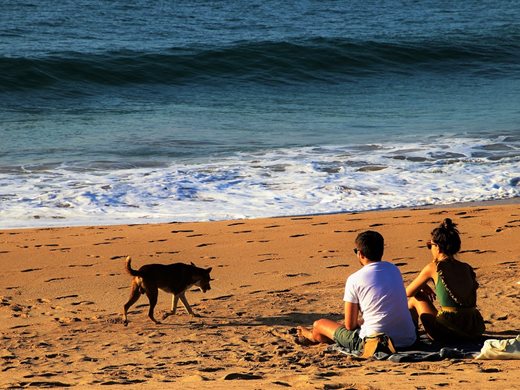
[500,349]
[378,342]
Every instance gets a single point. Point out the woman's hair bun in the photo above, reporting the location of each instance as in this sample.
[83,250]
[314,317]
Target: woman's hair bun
[448,224]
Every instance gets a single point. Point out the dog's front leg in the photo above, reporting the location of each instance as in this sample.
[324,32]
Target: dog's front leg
[175,301]
[187,305]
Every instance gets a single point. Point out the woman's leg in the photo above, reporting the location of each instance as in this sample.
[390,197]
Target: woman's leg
[422,308]
[322,331]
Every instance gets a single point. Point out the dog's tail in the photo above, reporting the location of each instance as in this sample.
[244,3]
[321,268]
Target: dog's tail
[129,269]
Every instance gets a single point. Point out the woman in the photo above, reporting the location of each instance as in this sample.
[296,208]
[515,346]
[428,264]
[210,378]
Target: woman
[455,288]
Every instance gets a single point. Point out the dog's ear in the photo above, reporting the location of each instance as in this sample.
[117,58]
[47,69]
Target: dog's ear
[208,270]
[193,264]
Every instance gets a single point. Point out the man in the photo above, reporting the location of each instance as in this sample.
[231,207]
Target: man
[375,302]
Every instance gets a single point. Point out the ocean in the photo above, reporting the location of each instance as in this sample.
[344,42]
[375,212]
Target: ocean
[140,112]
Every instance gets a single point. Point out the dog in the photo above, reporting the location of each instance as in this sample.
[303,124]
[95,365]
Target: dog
[172,278]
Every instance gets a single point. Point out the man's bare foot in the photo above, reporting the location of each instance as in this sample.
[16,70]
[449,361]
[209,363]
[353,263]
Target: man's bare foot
[304,337]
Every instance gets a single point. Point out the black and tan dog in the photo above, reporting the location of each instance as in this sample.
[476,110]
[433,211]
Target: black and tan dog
[172,278]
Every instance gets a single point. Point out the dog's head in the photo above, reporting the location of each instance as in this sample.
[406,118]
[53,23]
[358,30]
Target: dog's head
[203,278]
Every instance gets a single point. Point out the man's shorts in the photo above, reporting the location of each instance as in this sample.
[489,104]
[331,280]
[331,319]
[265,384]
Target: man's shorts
[348,338]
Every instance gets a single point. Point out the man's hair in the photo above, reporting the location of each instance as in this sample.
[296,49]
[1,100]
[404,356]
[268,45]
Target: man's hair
[371,244]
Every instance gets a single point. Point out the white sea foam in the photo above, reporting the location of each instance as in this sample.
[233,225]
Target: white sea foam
[280,182]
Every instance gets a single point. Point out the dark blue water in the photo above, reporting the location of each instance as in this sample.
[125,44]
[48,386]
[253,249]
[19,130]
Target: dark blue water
[99,87]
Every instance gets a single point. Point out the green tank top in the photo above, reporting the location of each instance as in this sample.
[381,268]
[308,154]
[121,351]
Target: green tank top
[443,295]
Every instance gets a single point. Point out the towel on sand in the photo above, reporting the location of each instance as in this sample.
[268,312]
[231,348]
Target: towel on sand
[424,350]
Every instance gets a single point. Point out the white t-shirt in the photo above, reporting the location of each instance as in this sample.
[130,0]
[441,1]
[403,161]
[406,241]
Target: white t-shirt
[379,290]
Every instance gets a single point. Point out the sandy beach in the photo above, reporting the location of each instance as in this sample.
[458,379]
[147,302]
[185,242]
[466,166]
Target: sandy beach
[62,291]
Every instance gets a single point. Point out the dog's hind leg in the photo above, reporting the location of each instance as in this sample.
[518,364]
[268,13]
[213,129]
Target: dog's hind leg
[134,296]
[152,293]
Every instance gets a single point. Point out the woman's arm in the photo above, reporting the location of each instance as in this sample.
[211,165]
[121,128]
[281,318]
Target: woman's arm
[420,282]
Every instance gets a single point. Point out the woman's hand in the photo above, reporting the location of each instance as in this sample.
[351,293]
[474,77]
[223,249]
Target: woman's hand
[428,292]
[421,281]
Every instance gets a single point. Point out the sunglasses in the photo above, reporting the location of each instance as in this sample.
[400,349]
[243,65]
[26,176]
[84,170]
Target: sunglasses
[429,244]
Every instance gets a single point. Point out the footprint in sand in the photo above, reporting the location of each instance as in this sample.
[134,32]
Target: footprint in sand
[297,275]
[82,303]
[67,296]
[310,283]
[271,226]
[205,244]
[269,259]
[221,298]
[477,251]
[195,235]
[242,231]
[337,266]
[236,223]
[319,223]
[297,235]
[182,231]
[508,262]
[301,218]
[67,320]
[241,376]
[31,269]
[56,279]
[114,319]
[327,251]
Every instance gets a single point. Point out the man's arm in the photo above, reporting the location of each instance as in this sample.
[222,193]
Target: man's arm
[351,315]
